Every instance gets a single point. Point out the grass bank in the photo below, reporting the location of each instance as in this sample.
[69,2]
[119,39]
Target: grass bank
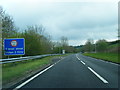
[113,57]
[13,71]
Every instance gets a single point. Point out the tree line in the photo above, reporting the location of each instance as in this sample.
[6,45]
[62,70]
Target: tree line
[36,41]
[101,46]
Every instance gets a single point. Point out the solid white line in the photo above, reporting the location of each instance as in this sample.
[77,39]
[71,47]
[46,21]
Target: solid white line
[108,62]
[104,61]
[36,76]
[59,60]
[101,78]
[21,85]
[82,62]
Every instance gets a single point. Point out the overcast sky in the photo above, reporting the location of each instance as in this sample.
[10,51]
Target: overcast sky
[78,21]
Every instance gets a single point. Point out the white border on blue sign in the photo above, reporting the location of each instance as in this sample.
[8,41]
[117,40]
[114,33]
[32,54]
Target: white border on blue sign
[15,38]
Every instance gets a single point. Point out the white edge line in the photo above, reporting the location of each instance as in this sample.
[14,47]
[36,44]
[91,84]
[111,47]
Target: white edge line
[101,78]
[104,61]
[21,85]
[59,60]
[108,62]
[82,62]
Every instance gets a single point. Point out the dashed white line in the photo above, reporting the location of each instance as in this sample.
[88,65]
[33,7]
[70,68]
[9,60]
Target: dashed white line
[77,57]
[101,78]
[82,62]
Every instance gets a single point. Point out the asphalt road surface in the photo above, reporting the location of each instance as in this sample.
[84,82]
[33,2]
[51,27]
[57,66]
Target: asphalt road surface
[76,71]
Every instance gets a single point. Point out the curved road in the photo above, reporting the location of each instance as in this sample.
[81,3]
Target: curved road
[76,71]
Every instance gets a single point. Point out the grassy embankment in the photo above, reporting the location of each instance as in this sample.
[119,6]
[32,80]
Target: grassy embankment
[113,57]
[12,71]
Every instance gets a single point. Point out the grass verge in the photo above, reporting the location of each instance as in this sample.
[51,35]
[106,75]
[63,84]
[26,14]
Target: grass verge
[13,71]
[113,57]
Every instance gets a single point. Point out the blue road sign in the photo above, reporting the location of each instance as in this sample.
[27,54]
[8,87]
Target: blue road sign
[14,46]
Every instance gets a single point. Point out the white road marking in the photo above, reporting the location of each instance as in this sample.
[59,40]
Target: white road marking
[21,85]
[77,57]
[82,62]
[58,61]
[108,62]
[104,61]
[101,78]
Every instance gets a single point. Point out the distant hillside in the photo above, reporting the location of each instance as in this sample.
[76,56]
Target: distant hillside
[114,42]
[113,46]
[77,47]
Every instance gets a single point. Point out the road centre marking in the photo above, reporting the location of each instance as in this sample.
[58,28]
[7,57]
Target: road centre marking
[77,57]
[82,62]
[101,78]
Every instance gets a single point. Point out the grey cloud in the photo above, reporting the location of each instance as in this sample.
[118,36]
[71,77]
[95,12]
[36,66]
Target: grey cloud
[77,21]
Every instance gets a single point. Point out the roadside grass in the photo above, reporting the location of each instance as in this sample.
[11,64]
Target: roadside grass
[114,45]
[113,57]
[12,71]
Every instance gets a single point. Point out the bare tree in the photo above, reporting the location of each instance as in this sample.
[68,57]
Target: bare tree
[7,25]
[64,41]
[89,47]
